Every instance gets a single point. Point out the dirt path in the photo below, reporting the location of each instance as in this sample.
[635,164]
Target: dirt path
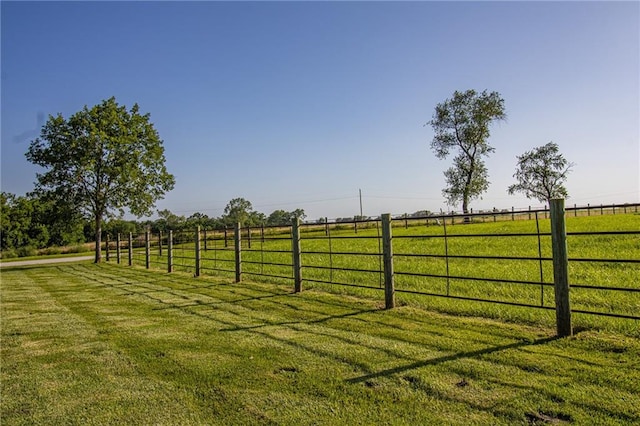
[44,261]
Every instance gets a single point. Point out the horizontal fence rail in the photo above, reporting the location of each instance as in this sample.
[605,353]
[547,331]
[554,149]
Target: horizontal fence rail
[528,264]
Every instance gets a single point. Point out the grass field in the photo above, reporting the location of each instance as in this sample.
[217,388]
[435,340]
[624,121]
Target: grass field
[102,344]
[421,239]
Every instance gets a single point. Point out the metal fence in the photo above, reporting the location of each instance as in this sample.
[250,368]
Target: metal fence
[445,256]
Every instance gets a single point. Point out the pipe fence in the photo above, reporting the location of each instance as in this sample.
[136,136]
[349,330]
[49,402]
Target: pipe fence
[531,263]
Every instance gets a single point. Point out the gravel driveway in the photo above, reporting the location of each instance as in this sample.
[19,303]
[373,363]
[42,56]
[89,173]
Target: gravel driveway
[45,261]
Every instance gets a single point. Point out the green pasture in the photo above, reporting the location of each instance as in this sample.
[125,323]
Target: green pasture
[420,237]
[87,344]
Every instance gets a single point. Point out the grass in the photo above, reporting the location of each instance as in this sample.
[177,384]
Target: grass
[259,264]
[101,344]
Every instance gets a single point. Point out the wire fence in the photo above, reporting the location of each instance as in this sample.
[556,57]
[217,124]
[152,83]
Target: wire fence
[475,257]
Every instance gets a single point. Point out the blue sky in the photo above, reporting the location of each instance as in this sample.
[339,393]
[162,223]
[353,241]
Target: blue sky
[301,104]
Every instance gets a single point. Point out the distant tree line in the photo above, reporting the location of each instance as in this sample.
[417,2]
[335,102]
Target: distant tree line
[33,221]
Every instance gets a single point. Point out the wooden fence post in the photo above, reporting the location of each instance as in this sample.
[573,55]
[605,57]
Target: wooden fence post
[238,251]
[170,252]
[130,249]
[197,273]
[387,262]
[297,255]
[159,243]
[147,250]
[106,242]
[118,248]
[560,268]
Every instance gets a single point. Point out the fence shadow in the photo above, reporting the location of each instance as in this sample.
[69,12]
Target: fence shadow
[452,357]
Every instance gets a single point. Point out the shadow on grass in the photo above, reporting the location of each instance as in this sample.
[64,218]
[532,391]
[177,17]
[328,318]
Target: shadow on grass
[453,357]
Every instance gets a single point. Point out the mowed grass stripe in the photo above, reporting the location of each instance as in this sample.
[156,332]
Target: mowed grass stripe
[101,344]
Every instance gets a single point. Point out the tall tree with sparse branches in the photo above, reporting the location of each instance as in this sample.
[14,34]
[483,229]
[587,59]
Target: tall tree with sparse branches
[541,173]
[461,124]
[102,159]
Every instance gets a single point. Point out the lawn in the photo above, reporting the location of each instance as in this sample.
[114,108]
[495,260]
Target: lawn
[106,344]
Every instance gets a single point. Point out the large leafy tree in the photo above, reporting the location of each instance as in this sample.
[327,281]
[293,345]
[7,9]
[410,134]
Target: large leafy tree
[541,173]
[102,159]
[461,124]
[238,210]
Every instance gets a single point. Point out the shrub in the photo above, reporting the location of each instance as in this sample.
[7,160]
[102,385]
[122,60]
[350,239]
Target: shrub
[80,248]
[51,250]
[26,251]
[8,254]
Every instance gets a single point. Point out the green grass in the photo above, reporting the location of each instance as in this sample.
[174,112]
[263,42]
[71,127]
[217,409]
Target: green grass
[422,239]
[101,344]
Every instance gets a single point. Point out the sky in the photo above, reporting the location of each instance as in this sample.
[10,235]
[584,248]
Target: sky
[304,104]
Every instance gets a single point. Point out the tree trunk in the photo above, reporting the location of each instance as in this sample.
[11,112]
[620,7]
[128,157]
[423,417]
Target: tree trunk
[465,204]
[98,257]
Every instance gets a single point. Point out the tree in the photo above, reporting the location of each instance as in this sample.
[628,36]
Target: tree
[238,210]
[462,124]
[282,217]
[541,173]
[19,222]
[278,218]
[102,159]
[169,221]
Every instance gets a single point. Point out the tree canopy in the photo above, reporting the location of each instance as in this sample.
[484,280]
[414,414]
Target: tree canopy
[101,160]
[462,124]
[283,217]
[541,173]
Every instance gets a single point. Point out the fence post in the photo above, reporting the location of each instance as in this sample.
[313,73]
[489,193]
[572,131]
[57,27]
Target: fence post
[197,274]
[387,262]
[513,214]
[106,243]
[238,251]
[226,243]
[130,249]
[118,248]
[297,256]
[147,250]
[560,268]
[248,236]
[170,252]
